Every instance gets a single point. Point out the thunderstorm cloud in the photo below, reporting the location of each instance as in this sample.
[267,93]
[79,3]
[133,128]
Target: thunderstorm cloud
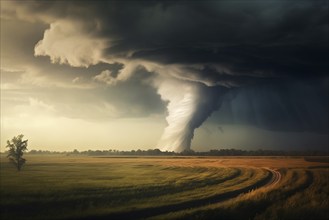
[261,63]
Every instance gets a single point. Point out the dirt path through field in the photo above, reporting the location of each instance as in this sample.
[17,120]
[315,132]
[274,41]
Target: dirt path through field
[276,177]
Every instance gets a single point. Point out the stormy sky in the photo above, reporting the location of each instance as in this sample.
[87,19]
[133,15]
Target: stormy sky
[168,74]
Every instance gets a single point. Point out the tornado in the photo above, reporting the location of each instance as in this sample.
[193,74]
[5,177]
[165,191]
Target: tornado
[189,104]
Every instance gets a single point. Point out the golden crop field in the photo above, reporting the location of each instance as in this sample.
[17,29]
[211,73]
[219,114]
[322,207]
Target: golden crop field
[77,187]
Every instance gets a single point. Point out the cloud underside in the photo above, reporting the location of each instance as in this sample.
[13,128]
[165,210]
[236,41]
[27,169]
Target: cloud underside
[258,62]
[214,40]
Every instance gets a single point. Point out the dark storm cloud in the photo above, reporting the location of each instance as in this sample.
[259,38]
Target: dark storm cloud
[288,106]
[257,38]
[278,49]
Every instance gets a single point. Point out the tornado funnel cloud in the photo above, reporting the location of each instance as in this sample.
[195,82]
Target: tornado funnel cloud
[189,105]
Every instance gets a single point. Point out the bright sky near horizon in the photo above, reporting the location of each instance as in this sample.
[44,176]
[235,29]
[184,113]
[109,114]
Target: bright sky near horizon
[142,75]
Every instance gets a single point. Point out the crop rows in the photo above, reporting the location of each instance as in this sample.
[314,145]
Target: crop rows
[124,189]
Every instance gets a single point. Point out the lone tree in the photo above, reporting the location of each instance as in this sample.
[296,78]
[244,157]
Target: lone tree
[17,146]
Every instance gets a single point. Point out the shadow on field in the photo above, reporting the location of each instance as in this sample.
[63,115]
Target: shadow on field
[323,159]
[154,211]
[305,185]
[318,167]
[249,208]
[98,196]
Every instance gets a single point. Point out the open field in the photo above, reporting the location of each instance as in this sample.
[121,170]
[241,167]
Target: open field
[70,187]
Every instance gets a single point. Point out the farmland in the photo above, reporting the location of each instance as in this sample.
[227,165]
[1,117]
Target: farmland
[77,187]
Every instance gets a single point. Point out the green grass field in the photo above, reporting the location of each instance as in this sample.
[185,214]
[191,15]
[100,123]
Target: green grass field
[69,187]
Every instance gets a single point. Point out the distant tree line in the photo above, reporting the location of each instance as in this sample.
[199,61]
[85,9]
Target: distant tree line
[157,152]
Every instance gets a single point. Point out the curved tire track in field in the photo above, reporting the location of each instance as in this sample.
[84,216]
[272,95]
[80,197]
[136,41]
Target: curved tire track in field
[276,177]
[271,180]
